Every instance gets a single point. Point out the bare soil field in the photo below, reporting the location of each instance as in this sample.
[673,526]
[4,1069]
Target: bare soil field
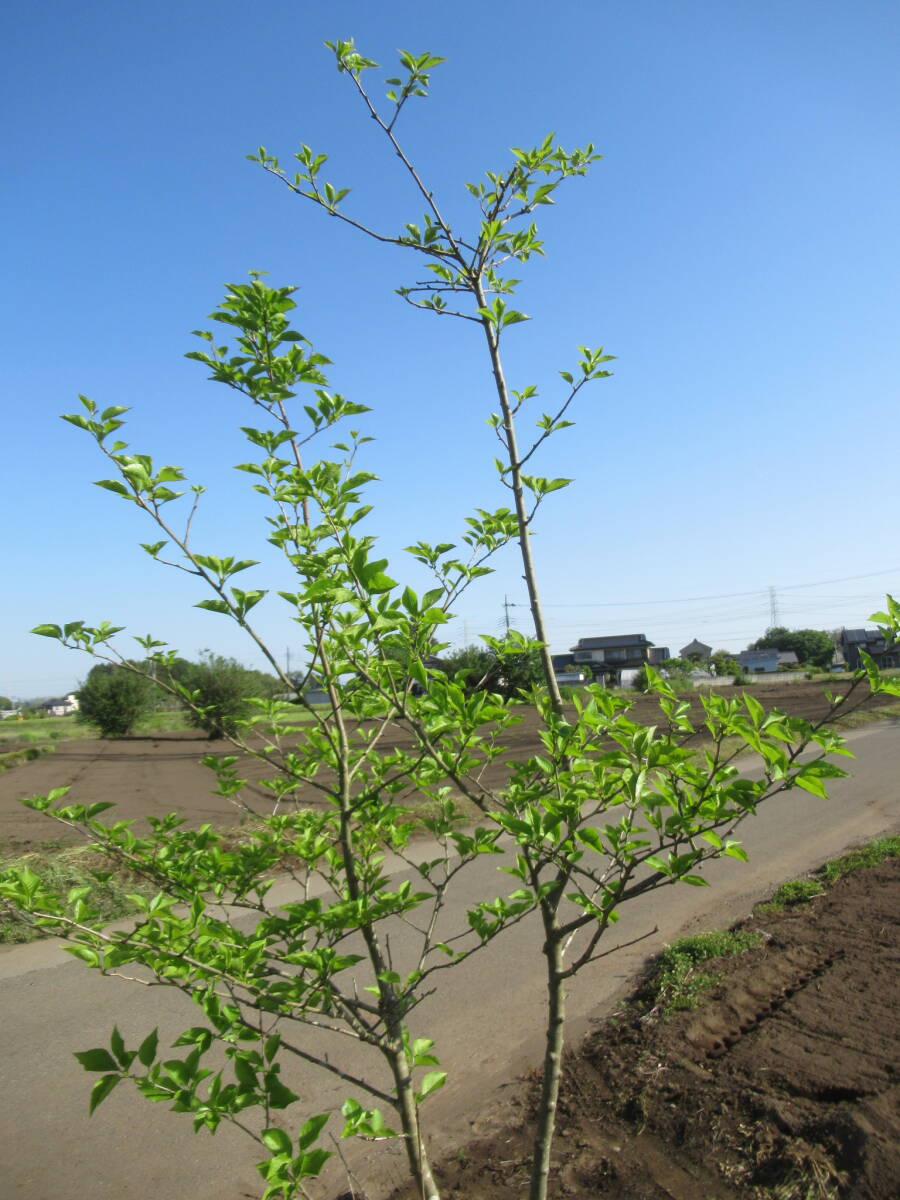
[154,775]
[782,1085]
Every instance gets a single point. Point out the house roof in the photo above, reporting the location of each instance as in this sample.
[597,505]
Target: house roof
[851,636]
[694,645]
[562,660]
[602,643]
[746,656]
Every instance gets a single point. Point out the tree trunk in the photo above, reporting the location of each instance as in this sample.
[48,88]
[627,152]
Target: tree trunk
[553,1058]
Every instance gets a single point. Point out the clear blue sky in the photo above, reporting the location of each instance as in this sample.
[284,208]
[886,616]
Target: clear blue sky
[738,249]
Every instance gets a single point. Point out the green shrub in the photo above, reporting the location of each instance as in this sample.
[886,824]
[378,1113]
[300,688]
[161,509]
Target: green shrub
[221,694]
[114,699]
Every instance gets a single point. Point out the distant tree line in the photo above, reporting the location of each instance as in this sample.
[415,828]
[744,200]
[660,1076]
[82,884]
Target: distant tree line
[216,690]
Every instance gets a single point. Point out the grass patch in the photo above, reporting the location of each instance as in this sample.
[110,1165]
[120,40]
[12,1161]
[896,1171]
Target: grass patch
[678,985]
[801,891]
[70,867]
[54,729]
[790,894]
[15,758]
[795,891]
[874,852]
[39,729]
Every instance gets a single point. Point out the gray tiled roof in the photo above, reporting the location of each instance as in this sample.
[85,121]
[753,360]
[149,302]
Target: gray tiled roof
[602,643]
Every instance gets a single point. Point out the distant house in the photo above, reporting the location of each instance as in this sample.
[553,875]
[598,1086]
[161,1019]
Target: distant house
[62,707]
[657,655]
[562,663]
[696,651]
[787,659]
[608,657]
[872,641]
[758,662]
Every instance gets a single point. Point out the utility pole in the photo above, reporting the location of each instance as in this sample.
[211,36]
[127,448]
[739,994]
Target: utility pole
[507,605]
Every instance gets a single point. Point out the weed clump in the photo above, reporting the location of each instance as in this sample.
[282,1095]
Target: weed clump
[678,985]
[795,891]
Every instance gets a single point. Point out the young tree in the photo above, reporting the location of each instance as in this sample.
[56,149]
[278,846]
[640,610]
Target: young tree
[115,699]
[606,809]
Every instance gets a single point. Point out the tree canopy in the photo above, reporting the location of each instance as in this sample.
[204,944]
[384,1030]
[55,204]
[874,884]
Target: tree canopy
[812,646]
[220,690]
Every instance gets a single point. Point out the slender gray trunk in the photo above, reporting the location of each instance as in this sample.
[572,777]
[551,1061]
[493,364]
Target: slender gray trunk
[529,574]
[553,1060]
[408,1110]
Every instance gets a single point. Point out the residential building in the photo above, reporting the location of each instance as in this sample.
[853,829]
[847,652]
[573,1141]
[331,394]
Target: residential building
[608,657]
[758,662]
[658,654]
[62,707]
[696,651]
[872,641]
[562,663]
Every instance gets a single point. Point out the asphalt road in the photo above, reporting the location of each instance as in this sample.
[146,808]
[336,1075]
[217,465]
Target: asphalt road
[486,1020]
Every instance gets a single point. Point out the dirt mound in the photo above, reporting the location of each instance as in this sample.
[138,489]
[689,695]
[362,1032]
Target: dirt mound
[782,1085]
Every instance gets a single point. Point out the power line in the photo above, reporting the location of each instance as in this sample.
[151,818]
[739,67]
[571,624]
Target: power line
[761,592]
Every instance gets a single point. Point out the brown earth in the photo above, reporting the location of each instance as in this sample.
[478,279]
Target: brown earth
[782,1085]
[151,776]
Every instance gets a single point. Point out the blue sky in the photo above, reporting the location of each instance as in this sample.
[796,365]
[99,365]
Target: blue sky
[737,249]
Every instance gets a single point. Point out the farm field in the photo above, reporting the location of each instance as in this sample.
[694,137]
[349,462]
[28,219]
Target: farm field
[153,774]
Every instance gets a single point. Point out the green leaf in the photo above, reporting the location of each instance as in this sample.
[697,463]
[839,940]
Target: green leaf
[310,1165]
[813,784]
[657,864]
[113,485]
[147,1049]
[278,1095]
[277,1141]
[91,957]
[97,1060]
[311,1129]
[101,1090]
[218,606]
[117,1045]
[431,1082]
[52,631]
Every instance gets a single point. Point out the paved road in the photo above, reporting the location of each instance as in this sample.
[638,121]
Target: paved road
[486,1020]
